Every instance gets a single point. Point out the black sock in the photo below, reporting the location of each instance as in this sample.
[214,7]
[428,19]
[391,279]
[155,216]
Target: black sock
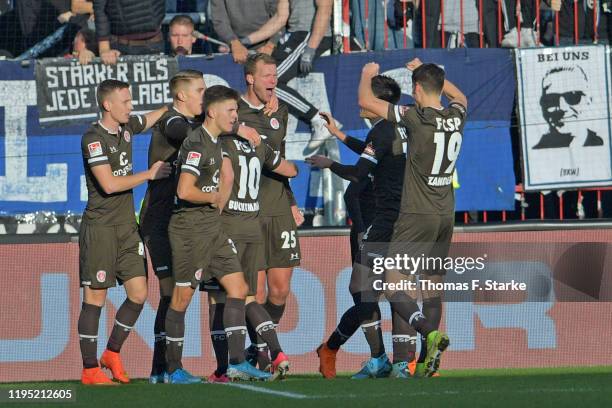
[409,311]
[218,337]
[369,317]
[275,311]
[432,310]
[404,338]
[159,347]
[89,320]
[235,329]
[349,323]
[252,333]
[259,317]
[124,321]
[175,337]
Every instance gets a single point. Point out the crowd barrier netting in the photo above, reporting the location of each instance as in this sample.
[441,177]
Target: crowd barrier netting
[40,309]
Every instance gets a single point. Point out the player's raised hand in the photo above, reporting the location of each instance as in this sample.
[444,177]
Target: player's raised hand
[414,64]
[272,105]
[159,170]
[110,57]
[249,134]
[298,216]
[370,69]
[318,161]
[330,123]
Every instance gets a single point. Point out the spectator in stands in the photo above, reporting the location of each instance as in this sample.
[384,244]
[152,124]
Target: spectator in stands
[129,28]
[458,33]
[78,7]
[377,39]
[180,35]
[249,24]
[84,46]
[527,17]
[584,30]
[39,18]
[432,38]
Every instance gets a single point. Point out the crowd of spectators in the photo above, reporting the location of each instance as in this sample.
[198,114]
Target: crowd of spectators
[141,26]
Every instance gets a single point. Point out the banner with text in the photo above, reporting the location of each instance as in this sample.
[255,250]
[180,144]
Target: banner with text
[66,90]
[566,127]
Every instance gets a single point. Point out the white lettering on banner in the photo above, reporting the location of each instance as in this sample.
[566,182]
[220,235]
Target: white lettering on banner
[54,334]
[15,185]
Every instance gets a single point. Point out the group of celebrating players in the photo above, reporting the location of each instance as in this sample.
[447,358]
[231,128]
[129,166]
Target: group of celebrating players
[219,216]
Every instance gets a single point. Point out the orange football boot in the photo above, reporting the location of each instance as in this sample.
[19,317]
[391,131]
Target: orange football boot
[327,361]
[95,376]
[112,361]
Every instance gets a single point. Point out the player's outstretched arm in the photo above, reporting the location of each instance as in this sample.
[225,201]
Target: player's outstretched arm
[115,184]
[226,180]
[188,191]
[286,168]
[367,100]
[153,116]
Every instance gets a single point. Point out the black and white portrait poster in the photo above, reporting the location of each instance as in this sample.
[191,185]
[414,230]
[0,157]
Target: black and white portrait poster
[564,102]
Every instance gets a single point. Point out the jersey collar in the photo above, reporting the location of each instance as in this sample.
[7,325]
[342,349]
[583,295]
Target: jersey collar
[209,135]
[260,107]
[107,130]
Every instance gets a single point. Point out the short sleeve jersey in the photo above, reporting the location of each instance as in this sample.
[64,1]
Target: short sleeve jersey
[200,155]
[434,143]
[240,214]
[99,146]
[273,195]
[168,135]
[386,149]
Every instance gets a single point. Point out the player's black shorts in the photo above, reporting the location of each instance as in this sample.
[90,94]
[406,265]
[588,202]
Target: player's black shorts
[110,254]
[251,257]
[376,238]
[281,242]
[199,258]
[155,237]
[423,235]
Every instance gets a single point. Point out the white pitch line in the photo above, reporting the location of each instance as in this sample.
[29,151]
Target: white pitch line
[253,388]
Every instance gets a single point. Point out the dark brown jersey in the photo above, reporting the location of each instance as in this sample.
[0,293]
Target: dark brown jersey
[240,214]
[99,146]
[200,155]
[275,196]
[434,142]
[168,135]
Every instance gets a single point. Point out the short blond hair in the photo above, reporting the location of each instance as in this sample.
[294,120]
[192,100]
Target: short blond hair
[182,79]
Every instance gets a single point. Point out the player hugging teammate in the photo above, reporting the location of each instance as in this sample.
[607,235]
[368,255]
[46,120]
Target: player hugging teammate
[219,215]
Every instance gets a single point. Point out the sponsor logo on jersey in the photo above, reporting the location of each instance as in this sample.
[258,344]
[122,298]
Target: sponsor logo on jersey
[193,158]
[123,161]
[95,149]
[126,136]
[294,256]
[274,123]
[113,149]
[101,276]
[198,274]
[124,171]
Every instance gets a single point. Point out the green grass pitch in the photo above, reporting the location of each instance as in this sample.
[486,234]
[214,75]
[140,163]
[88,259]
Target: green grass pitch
[576,387]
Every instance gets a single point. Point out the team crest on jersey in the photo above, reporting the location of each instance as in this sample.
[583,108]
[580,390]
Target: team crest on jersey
[95,149]
[198,274]
[101,276]
[274,123]
[126,136]
[193,158]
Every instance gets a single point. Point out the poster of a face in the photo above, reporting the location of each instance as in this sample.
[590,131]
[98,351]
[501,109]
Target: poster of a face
[564,101]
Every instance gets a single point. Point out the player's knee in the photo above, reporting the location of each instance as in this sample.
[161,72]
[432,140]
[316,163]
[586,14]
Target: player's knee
[279,291]
[238,290]
[138,296]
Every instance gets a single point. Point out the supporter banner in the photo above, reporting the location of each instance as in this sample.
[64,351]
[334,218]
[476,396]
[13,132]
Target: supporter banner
[66,90]
[41,167]
[38,321]
[566,127]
